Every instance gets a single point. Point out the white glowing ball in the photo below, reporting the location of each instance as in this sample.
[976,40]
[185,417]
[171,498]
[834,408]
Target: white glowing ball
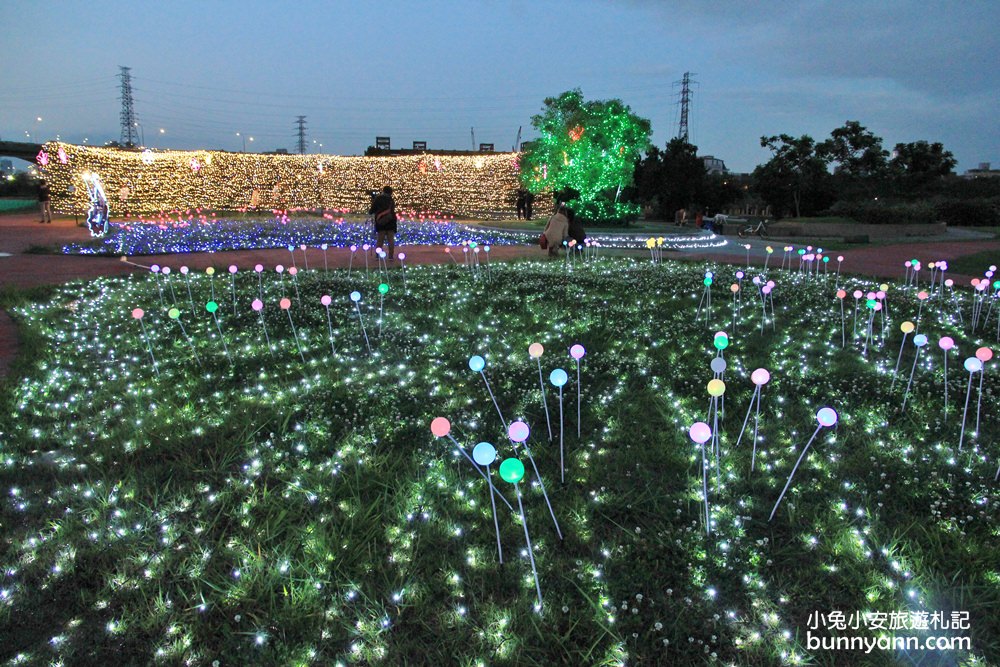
[826,417]
[973,365]
[700,432]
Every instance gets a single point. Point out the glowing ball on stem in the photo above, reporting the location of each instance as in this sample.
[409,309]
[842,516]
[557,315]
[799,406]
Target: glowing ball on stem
[485,454]
[512,471]
[826,417]
[535,351]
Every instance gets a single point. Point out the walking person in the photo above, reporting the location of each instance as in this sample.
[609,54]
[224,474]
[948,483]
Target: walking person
[44,201]
[384,211]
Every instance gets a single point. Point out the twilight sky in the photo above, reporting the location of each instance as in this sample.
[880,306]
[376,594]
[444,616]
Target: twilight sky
[431,70]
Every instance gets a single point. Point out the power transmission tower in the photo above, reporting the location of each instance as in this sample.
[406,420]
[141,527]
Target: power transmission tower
[130,130]
[301,122]
[685,102]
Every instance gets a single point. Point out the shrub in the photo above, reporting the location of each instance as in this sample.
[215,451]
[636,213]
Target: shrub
[881,213]
[970,212]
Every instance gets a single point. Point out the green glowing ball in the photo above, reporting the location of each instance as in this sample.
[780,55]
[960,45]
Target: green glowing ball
[721,342]
[708,281]
[211,306]
[174,313]
[383,288]
[511,470]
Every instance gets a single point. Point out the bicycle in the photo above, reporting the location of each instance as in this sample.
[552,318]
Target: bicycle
[750,230]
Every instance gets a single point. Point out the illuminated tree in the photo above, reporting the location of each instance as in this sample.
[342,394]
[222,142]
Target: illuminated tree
[589,147]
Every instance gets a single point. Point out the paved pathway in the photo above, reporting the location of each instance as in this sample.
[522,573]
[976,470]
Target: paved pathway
[21,268]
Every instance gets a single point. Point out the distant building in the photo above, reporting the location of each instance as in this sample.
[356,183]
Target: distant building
[713,165]
[983,171]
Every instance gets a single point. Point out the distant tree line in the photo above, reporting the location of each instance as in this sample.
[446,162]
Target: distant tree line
[849,174]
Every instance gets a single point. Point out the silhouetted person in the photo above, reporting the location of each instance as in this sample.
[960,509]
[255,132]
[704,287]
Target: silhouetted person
[44,201]
[384,212]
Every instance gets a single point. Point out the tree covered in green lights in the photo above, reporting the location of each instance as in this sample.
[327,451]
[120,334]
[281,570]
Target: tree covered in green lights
[590,148]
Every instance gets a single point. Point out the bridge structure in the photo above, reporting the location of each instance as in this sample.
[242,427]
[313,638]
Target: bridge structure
[20,149]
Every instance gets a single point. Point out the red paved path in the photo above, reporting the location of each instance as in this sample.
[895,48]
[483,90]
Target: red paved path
[19,232]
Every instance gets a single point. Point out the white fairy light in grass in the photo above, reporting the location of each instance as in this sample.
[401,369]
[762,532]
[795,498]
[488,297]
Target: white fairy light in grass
[826,417]
[441,428]
[175,315]
[907,328]
[919,341]
[973,365]
[577,352]
[700,433]
[138,314]
[518,434]
[558,378]
[286,305]
[356,297]
[258,307]
[535,351]
[485,454]
[946,343]
[211,307]
[512,471]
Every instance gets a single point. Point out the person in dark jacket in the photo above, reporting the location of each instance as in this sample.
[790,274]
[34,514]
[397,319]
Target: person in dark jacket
[44,201]
[384,211]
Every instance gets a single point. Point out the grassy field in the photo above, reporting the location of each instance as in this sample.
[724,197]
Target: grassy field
[268,490]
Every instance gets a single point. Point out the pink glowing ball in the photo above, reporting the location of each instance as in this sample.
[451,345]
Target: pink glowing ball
[766,289]
[138,313]
[857,294]
[880,294]
[325,300]
[354,248]
[734,288]
[166,270]
[440,427]
[302,247]
[279,268]
[257,305]
[401,256]
[535,350]
[760,377]
[984,354]
[841,294]
[870,295]
[700,432]
[155,268]
[366,247]
[577,352]
[840,258]
[518,431]
[292,271]
[827,417]
[922,296]
[184,270]
[946,343]
[232,268]
[285,304]
[259,268]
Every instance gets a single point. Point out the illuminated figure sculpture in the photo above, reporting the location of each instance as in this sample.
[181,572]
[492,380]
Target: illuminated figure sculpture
[97,215]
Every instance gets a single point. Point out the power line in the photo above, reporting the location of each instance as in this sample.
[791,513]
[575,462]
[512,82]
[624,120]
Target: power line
[301,122]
